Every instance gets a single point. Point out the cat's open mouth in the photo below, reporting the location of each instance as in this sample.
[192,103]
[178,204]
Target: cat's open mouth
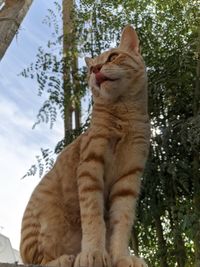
[100,78]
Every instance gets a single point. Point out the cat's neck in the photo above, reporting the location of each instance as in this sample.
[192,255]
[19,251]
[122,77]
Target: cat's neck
[124,112]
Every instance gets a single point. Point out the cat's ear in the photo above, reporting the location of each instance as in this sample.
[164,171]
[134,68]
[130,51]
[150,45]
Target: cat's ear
[129,40]
[88,61]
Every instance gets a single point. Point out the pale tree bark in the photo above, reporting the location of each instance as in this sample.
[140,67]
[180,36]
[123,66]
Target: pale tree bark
[76,86]
[11,16]
[67,48]
[71,83]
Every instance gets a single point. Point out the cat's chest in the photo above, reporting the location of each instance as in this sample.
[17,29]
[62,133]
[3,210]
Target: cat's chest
[115,155]
[109,144]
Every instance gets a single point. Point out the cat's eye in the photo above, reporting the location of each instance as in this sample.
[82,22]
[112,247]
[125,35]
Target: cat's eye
[112,57]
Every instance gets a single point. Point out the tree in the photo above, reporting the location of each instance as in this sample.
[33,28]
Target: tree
[167,230]
[11,15]
[196,165]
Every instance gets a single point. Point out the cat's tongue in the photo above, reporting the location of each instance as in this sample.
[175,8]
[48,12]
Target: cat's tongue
[100,77]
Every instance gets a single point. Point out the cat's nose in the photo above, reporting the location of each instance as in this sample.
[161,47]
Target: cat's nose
[96,69]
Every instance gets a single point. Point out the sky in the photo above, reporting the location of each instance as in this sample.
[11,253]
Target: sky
[19,105]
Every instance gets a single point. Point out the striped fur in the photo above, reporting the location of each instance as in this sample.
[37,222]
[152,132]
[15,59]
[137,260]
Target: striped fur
[82,211]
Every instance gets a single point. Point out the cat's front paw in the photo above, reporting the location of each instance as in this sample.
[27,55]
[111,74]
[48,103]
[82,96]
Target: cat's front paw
[62,261]
[130,261]
[94,258]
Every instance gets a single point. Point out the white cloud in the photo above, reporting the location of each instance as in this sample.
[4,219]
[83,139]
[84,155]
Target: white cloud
[19,103]
[17,155]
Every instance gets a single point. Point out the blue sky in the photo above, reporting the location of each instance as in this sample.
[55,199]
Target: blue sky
[19,104]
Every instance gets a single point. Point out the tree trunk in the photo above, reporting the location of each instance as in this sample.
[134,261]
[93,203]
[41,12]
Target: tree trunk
[196,165]
[11,16]
[67,59]
[161,242]
[196,201]
[179,248]
[76,86]
[72,105]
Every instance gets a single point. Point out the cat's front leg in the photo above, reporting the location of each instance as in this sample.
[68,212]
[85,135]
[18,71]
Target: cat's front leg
[123,199]
[90,189]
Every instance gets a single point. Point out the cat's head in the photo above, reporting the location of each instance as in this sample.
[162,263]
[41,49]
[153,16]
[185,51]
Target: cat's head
[119,71]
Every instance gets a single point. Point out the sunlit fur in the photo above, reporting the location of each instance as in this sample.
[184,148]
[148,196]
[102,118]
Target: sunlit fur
[82,211]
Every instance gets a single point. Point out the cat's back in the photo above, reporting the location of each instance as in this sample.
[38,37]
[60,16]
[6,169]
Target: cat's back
[58,183]
[55,194]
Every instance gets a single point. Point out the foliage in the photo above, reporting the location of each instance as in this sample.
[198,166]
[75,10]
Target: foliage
[44,162]
[168,216]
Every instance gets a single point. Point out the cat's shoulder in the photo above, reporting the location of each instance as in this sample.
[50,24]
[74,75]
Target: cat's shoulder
[72,148]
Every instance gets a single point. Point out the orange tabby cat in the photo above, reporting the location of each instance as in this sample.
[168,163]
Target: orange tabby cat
[82,211]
